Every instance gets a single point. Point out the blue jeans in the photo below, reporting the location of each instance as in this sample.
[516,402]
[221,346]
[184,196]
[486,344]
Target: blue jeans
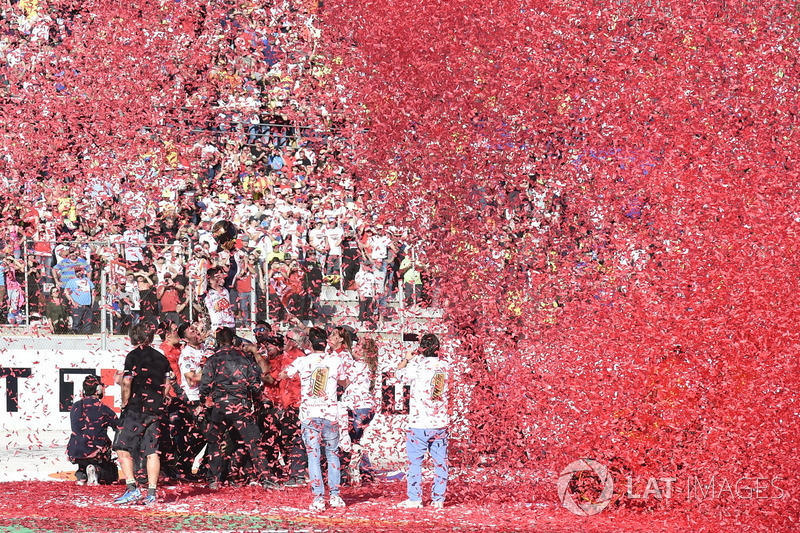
[315,431]
[380,269]
[359,422]
[360,419]
[418,442]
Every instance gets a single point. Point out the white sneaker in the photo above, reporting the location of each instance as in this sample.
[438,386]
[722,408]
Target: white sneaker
[91,475]
[410,504]
[337,501]
[437,505]
[318,505]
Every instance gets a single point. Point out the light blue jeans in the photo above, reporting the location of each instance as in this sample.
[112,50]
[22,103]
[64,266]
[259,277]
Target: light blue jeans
[418,442]
[316,431]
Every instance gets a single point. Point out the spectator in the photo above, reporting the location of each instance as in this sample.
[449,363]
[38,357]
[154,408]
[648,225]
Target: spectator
[243,284]
[318,242]
[148,299]
[196,271]
[412,280]
[65,269]
[130,299]
[134,239]
[81,295]
[14,278]
[57,312]
[34,286]
[367,284]
[114,305]
[334,233]
[3,292]
[171,300]
[295,295]
[218,302]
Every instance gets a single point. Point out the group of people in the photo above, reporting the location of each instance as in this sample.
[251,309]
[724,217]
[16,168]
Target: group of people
[247,154]
[286,251]
[273,412]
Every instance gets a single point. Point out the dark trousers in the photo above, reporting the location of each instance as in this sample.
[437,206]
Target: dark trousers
[281,437]
[185,440]
[81,318]
[221,421]
[107,472]
[366,310]
[271,440]
[292,447]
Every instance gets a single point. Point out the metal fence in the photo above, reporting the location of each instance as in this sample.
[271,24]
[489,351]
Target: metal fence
[42,271]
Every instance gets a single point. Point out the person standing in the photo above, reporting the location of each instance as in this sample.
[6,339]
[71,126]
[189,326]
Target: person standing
[14,280]
[286,401]
[367,284]
[57,312]
[80,292]
[427,420]
[319,373]
[359,397]
[191,369]
[218,301]
[145,385]
[233,381]
[334,234]
[65,269]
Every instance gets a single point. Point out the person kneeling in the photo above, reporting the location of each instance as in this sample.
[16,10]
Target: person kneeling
[89,446]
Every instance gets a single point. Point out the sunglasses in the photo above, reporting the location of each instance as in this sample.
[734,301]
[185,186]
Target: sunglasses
[259,330]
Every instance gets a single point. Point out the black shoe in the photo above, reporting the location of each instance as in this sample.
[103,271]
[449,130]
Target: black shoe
[271,485]
[294,482]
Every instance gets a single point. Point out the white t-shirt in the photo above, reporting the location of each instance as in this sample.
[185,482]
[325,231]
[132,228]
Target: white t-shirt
[220,310]
[319,373]
[428,377]
[368,284]
[334,236]
[133,240]
[380,247]
[190,361]
[316,238]
[357,394]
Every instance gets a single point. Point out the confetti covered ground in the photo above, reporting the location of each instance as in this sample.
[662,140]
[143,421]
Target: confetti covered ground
[62,506]
[478,499]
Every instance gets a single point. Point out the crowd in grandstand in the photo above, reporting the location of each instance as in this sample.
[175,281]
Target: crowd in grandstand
[136,241]
[289,244]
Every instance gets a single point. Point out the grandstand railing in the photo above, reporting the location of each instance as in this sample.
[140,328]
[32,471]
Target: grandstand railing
[110,258]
